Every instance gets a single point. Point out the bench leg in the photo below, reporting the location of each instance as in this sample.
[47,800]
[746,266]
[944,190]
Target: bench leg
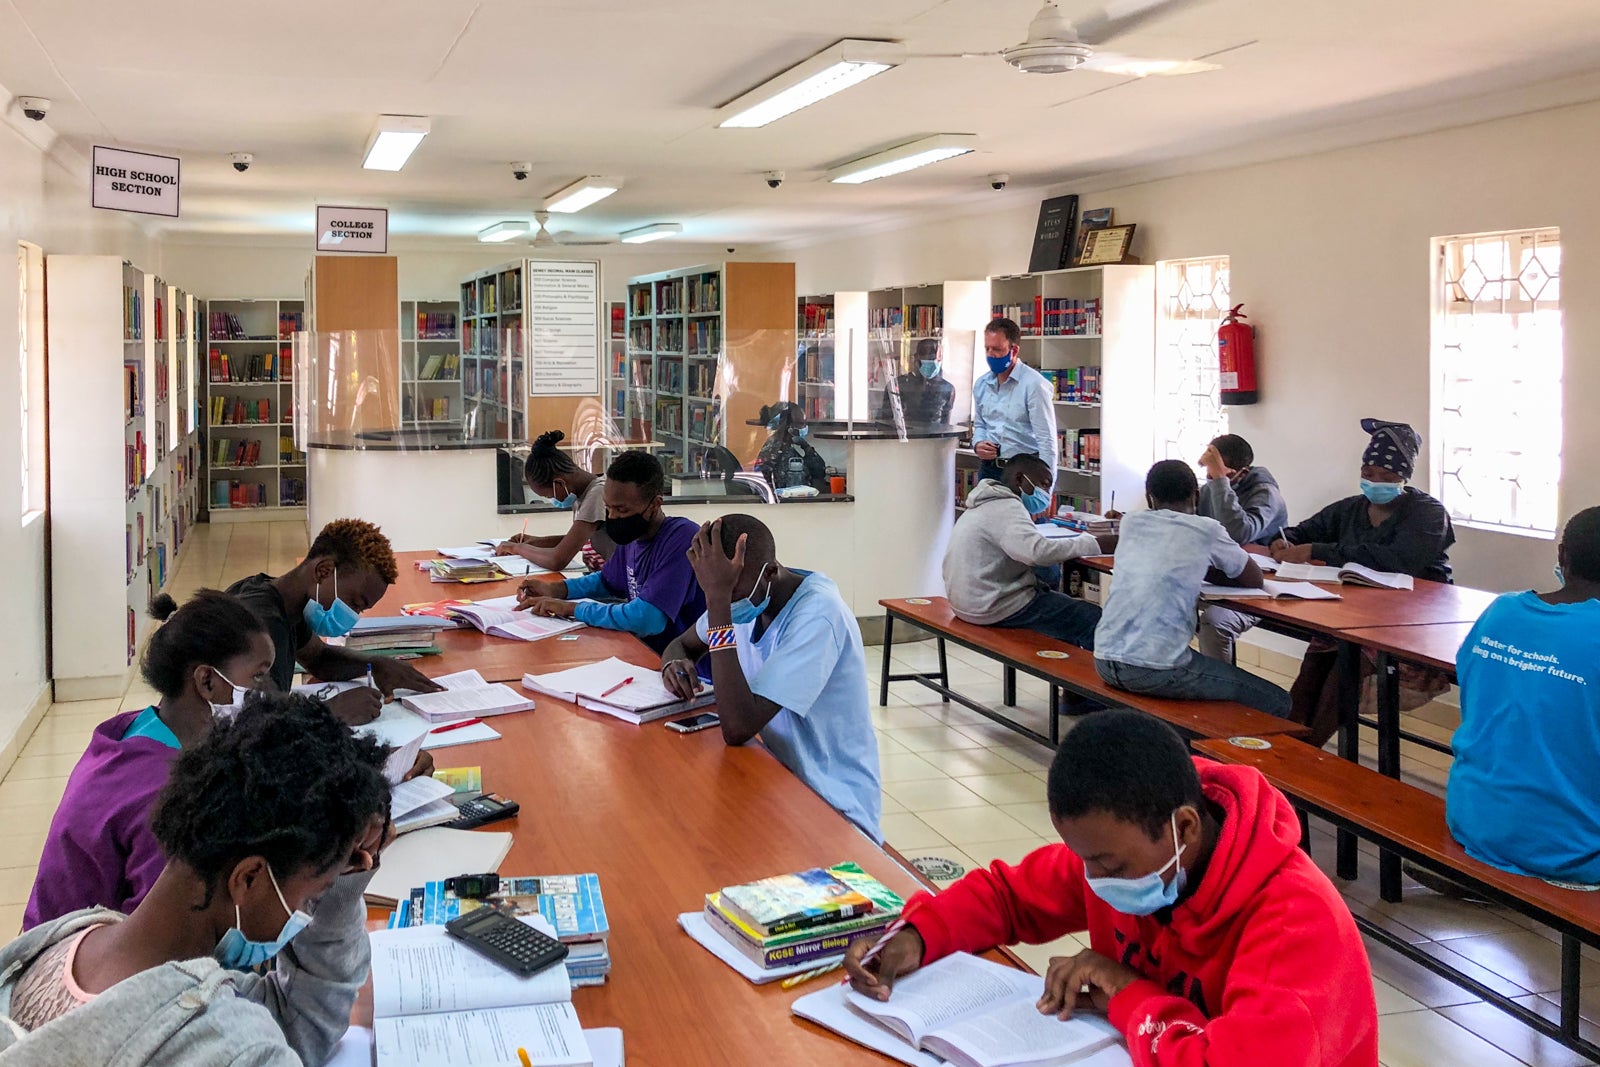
[1055,716]
[888,646]
[1347,864]
[1008,694]
[1571,976]
[1305,830]
[1389,763]
[944,671]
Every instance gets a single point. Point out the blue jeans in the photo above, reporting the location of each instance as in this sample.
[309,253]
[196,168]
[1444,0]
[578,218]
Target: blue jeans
[1060,616]
[1197,677]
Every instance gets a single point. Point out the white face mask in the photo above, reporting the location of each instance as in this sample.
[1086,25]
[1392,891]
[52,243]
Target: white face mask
[226,711]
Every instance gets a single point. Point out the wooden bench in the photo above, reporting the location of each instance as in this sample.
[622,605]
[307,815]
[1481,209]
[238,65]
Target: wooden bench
[1062,667]
[1410,822]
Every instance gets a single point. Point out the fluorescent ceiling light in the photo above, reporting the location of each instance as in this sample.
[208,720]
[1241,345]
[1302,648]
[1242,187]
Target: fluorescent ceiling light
[503,231]
[834,69]
[393,140]
[653,232]
[582,193]
[1143,68]
[906,157]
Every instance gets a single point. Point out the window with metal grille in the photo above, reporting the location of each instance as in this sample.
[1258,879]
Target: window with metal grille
[1497,365]
[1194,298]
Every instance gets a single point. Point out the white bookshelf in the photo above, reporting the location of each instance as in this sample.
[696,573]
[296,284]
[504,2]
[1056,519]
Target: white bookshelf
[249,368]
[493,332]
[430,364]
[623,405]
[816,385]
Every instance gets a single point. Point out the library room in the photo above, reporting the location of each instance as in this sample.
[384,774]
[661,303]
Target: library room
[1001,533]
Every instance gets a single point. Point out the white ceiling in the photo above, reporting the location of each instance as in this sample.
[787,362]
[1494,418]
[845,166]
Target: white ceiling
[629,87]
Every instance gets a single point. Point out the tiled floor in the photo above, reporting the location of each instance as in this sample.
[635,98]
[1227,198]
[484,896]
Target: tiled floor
[958,788]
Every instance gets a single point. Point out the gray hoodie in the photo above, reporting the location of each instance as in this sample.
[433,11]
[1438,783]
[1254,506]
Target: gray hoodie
[194,1013]
[988,568]
[1253,512]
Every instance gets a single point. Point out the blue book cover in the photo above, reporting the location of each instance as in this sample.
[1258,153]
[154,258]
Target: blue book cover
[571,903]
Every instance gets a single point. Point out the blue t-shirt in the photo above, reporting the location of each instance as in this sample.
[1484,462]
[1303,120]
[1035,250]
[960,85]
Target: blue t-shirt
[811,664]
[657,571]
[1524,794]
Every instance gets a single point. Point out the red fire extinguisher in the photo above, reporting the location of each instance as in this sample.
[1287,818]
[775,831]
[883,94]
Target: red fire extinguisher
[1236,358]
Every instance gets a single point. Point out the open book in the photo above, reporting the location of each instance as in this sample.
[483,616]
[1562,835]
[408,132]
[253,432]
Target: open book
[593,686]
[466,695]
[498,617]
[1270,590]
[1349,574]
[421,802]
[971,1013]
[436,1001]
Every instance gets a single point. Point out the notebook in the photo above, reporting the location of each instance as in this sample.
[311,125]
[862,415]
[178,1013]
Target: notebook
[355,1049]
[497,617]
[421,802]
[433,855]
[466,695]
[1270,590]
[409,732]
[436,1001]
[969,1012]
[643,699]
[1349,574]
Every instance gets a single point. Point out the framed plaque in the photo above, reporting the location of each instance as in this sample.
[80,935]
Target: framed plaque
[1109,245]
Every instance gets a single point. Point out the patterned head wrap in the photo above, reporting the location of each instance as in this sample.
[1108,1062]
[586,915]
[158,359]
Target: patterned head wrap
[1394,446]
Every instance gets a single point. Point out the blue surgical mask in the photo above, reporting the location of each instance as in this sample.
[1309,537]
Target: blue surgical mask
[1561,576]
[803,433]
[930,368]
[999,365]
[746,611]
[566,503]
[1036,500]
[330,622]
[1147,895]
[1382,492]
[238,953]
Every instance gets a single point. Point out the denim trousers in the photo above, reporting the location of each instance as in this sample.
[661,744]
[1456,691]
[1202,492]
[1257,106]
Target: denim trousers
[1060,616]
[1197,677]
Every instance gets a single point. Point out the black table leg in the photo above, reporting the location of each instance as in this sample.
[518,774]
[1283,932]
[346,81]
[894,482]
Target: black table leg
[944,671]
[1347,863]
[888,645]
[1008,695]
[1389,762]
[1055,716]
[1571,980]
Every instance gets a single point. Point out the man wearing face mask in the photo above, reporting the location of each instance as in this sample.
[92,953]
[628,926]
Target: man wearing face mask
[787,459]
[1013,407]
[989,568]
[924,397]
[1213,938]
[347,570]
[786,658]
[649,573]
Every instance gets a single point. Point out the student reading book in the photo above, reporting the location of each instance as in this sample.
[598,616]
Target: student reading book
[307,604]
[272,824]
[552,474]
[1349,574]
[1213,938]
[649,571]
[100,851]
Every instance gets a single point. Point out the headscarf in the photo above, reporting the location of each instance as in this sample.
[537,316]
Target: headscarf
[1394,446]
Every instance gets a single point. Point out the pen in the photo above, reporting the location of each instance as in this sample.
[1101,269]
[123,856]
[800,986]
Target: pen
[877,946]
[455,726]
[522,1054]
[524,533]
[816,972]
[1113,500]
[619,685]
[370,683]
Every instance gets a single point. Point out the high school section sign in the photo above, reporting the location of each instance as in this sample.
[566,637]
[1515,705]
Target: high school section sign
[353,229]
[134,181]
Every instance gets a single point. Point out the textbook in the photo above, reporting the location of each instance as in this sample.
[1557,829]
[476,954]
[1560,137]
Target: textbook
[1270,590]
[498,617]
[641,699]
[419,803]
[436,1001]
[1349,574]
[816,942]
[788,902]
[968,1012]
[466,695]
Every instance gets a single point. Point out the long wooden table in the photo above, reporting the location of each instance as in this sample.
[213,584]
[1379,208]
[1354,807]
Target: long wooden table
[663,819]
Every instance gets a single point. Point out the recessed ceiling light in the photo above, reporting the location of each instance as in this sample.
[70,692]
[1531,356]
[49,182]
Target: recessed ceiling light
[582,193]
[393,140]
[503,231]
[653,232]
[906,157]
[836,68]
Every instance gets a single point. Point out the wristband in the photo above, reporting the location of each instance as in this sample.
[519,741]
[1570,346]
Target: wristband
[721,637]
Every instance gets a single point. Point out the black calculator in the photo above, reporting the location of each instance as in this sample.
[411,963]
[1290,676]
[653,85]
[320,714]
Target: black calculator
[485,809]
[511,943]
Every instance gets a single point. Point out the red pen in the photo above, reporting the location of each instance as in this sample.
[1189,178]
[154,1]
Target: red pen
[619,685]
[455,726]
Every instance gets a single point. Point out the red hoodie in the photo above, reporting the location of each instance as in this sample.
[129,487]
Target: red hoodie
[1260,966]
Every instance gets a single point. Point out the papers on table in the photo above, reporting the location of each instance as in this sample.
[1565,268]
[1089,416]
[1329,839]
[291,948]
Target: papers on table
[356,1049]
[498,617]
[477,550]
[461,735]
[1349,574]
[433,855]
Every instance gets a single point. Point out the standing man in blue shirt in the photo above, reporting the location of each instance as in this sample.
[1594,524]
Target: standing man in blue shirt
[787,661]
[1014,411]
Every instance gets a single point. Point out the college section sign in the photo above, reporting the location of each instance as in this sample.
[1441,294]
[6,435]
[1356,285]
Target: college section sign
[353,229]
[135,181]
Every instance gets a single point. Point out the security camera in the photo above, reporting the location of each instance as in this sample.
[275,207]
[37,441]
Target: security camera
[520,171]
[35,107]
[998,181]
[242,161]
[731,251]
[774,178]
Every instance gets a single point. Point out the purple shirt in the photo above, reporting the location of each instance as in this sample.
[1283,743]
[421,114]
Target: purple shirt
[657,571]
[100,851]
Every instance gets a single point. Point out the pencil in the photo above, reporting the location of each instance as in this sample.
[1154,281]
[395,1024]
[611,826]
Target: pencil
[522,1054]
[816,972]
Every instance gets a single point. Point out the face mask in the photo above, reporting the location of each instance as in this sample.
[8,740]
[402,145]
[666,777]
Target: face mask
[566,503]
[329,622]
[803,433]
[628,529]
[1036,500]
[1381,492]
[238,953]
[223,711]
[1561,576]
[1147,895]
[745,611]
[999,364]
[930,368]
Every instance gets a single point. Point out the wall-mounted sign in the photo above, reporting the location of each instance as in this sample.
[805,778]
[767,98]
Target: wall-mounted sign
[563,328]
[353,229]
[135,181]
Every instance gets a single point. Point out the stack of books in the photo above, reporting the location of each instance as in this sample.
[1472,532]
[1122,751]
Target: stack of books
[808,916]
[1084,522]
[572,903]
[396,634]
[462,570]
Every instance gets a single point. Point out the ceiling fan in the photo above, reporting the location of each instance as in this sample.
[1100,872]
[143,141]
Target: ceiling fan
[1057,44]
[545,239]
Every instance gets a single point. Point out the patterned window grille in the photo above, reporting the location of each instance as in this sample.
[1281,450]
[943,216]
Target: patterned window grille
[1193,299]
[1497,367]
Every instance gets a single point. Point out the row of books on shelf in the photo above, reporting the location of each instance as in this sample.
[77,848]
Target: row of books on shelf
[641,337]
[425,409]
[132,389]
[669,376]
[134,463]
[922,319]
[235,452]
[227,368]
[132,314]
[133,545]
[669,297]
[288,455]
[704,294]
[1080,449]
[226,326]
[442,366]
[816,318]
[814,362]
[480,340]
[1076,385]
[639,306]
[669,418]
[704,337]
[1053,316]
[158,568]
[237,411]
[705,422]
[161,319]
[669,337]
[436,325]
[290,323]
[817,407]
[702,379]
[230,494]
[163,381]
[292,492]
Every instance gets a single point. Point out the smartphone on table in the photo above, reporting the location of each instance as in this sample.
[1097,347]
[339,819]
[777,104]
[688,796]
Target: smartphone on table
[694,723]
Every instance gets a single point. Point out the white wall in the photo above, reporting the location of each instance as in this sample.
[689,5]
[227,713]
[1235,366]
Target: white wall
[1330,254]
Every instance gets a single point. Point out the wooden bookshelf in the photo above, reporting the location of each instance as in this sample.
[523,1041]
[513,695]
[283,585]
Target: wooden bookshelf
[430,364]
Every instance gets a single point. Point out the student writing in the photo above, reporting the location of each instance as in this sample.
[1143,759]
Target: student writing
[551,473]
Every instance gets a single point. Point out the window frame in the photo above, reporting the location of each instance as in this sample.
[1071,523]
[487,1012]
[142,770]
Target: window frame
[1166,322]
[32,384]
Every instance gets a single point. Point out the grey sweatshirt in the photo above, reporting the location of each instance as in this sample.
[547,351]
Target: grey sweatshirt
[1253,512]
[194,1013]
[988,568]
